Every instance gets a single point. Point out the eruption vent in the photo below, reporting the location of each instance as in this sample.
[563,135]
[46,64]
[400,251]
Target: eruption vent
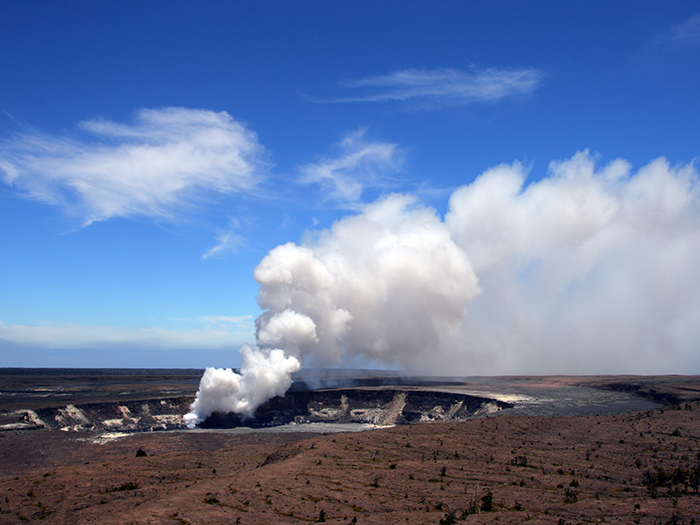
[386,285]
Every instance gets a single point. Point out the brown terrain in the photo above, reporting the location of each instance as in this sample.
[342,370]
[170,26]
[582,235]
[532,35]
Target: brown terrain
[637,467]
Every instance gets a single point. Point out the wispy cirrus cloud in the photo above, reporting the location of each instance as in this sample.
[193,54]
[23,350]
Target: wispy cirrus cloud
[360,164]
[244,322]
[441,87]
[226,241]
[685,33]
[164,162]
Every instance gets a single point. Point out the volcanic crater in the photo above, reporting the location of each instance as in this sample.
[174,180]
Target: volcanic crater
[636,462]
[371,406]
[375,406]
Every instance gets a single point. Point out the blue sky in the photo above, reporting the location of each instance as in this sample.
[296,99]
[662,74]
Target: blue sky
[151,155]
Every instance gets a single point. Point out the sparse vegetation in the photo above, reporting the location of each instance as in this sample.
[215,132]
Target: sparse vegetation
[449,519]
[570,496]
[124,487]
[487,501]
[520,461]
[676,482]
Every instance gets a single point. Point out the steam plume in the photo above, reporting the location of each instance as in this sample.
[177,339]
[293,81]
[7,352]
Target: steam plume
[587,270]
[263,375]
[388,284]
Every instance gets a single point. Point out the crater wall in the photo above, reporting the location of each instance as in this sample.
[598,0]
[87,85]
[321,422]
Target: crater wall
[380,407]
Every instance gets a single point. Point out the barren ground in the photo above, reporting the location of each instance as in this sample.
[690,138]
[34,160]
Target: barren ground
[633,468]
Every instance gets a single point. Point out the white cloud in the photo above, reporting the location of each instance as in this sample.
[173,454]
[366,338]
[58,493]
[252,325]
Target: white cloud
[442,87]
[685,33]
[243,322]
[388,285]
[218,335]
[227,241]
[681,38]
[361,164]
[163,163]
[588,270]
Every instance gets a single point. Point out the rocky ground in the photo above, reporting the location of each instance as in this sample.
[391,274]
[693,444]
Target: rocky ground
[632,468]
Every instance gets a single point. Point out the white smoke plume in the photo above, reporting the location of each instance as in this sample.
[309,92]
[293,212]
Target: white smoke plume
[263,375]
[588,270]
[388,284]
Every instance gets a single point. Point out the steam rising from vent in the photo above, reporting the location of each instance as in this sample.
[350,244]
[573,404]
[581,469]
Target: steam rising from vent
[585,271]
[384,285]
[388,285]
[263,375]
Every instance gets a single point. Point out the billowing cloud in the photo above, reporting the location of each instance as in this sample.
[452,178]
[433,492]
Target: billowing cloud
[262,376]
[442,87]
[387,285]
[587,270]
[361,164]
[164,162]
